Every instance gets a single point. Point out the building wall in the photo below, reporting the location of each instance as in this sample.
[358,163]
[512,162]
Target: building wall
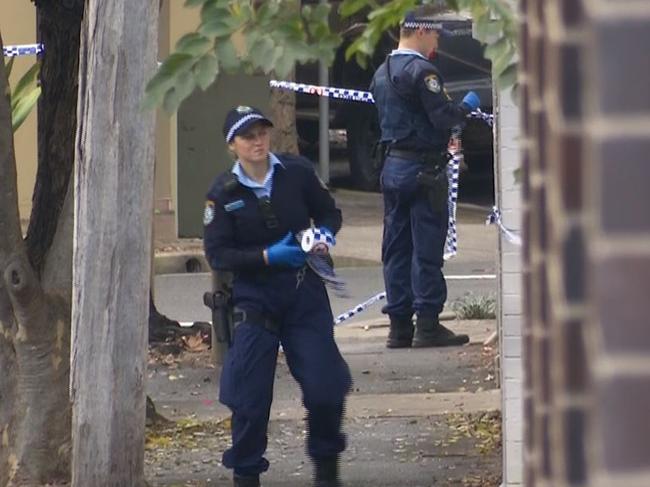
[18,26]
[587,242]
[507,135]
[508,200]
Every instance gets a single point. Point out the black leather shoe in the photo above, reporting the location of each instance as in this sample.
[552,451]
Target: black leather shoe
[246,481]
[430,333]
[327,472]
[401,332]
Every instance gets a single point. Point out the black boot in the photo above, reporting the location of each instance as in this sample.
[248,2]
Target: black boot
[430,333]
[246,481]
[401,332]
[327,472]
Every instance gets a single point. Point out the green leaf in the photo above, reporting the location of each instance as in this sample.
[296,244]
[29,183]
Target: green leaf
[206,70]
[164,79]
[351,7]
[23,108]
[193,43]
[261,53]
[172,101]
[508,77]
[321,13]
[227,55]
[9,65]
[26,81]
[185,85]
[218,27]
[503,59]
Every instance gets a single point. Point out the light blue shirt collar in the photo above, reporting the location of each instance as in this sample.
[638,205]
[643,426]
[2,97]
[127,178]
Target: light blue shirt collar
[260,189]
[397,52]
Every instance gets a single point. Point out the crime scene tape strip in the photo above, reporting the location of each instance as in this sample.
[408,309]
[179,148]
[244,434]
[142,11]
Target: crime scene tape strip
[453,172]
[495,218]
[359,308]
[453,167]
[22,50]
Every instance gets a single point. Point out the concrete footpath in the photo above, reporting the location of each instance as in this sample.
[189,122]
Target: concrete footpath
[415,417]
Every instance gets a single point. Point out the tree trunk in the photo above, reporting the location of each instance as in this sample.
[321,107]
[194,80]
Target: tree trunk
[283,113]
[35,313]
[113,223]
[59,24]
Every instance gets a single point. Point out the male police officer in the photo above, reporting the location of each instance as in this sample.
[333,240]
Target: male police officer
[416,116]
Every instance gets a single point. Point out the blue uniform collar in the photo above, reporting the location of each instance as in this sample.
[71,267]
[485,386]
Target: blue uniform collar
[260,189]
[404,51]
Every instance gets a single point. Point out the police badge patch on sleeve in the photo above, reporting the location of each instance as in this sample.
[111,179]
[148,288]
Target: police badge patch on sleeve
[432,83]
[208,212]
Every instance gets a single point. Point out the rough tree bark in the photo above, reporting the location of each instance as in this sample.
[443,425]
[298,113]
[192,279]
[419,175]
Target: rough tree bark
[36,275]
[283,113]
[112,242]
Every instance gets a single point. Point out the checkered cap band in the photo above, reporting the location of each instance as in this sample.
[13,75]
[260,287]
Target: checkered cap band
[240,123]
[422,24]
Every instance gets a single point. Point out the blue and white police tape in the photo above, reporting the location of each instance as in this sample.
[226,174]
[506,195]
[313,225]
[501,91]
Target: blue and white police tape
[349,94]
[312,238]
[494,218]
[359,308]
[316,243]
[22,50]
[453,172]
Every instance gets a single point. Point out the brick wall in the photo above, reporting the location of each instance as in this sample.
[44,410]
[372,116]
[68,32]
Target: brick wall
[586,262]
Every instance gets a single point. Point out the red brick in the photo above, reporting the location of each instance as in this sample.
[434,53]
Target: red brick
[623,70]
[622,423]
[621,285]
[624,178]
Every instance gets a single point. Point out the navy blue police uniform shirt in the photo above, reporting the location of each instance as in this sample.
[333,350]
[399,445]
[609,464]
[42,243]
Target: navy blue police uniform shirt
[415,112]
[237,232]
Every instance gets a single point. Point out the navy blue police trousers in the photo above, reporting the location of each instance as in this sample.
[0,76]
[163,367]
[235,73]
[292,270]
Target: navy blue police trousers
[301,309]
[413,243]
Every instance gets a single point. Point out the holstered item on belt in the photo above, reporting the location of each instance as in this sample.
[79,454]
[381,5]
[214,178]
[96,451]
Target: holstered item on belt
[219,303]
[256,318]
[434,181]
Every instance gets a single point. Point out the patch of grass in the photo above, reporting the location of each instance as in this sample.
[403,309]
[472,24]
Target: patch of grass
[471,307]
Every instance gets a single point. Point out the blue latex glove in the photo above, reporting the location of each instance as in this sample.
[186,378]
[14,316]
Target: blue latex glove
[286,252]
[471,101]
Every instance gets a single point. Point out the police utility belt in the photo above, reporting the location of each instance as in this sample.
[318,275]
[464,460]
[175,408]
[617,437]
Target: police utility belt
[434,158]
[433,178]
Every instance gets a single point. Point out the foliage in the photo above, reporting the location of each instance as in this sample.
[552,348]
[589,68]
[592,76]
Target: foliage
[494,21]
[273,35]
[248,35]
[472,307]
[24,95]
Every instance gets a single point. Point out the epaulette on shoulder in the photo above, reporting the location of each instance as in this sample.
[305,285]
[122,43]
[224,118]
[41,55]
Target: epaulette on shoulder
[231,183]
[225,183]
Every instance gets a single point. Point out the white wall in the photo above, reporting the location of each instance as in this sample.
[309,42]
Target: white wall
[508,199]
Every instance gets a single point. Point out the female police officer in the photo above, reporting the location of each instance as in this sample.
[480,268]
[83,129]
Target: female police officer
[251,217]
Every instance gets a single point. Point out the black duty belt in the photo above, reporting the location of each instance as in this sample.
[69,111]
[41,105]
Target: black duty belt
[433,156]
[256,318]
